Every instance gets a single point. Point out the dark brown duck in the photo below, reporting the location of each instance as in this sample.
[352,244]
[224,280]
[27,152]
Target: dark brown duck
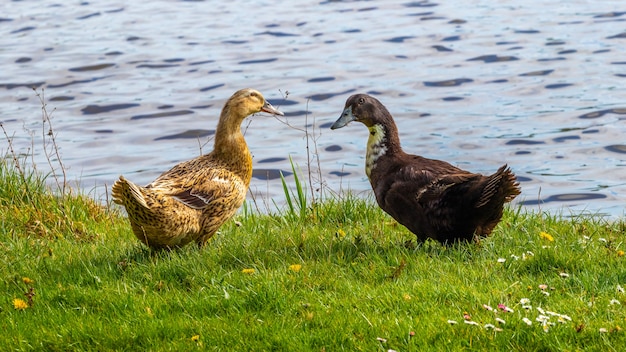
[432,198]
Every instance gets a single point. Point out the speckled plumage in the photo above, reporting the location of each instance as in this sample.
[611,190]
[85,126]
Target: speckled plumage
[432,198]
[194,198]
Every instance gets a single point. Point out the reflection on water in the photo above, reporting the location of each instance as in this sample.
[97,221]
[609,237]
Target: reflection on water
[569,197]
[135,88]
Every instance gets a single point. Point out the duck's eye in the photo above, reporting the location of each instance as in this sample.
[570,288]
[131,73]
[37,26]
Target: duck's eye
[361,100]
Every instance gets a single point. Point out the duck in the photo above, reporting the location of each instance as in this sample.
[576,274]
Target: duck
[431,198]
[194,198]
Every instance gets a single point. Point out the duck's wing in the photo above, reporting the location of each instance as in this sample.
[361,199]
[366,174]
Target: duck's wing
[427,184]
[447,187]
[473,190]
[197,188]
[199,197]
[427,178]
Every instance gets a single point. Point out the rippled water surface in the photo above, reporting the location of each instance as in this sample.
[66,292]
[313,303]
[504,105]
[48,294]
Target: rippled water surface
[136,87]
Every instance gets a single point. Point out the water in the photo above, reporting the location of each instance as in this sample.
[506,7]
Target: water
[135,88]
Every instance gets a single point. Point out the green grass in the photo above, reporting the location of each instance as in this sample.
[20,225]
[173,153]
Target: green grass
[363,282]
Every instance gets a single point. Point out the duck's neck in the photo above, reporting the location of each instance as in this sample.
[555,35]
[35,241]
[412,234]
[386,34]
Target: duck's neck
[383,140]
[230,146]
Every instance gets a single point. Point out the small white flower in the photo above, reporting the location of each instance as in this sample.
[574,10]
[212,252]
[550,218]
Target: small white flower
[546,293]
[487,307]
[620,289]
[501,260]
[602,330]
[527,307]
[602,239]
[541,311]
[469,322]
[527,321]
[564,317]
[514,257]
[489,326]
[542,318]
[381,339]
[614,301]
[500,321]
[545,327]
[563,274]
[524,301]
[451,322]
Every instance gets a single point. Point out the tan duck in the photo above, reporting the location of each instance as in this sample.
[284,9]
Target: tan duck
[432,198]
[193,199]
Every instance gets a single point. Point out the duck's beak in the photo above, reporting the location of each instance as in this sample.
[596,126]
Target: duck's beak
[345,118]
[267,107]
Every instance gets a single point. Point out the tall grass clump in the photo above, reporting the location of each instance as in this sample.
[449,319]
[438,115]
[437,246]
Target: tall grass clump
[296,200]
[31,210]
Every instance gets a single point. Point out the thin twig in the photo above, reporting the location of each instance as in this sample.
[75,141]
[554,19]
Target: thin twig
[46,117]
[15,159]
[285,122]
[319,164]
[308,151]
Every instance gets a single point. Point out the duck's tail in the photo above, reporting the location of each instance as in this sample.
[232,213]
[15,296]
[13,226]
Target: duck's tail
[501,187]
[509,186]
[125,192]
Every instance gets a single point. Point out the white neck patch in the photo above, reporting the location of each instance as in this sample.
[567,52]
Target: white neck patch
[375,147]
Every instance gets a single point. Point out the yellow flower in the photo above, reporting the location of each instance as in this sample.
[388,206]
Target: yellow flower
[19,304]
[248,271]
[295,267]
[340,233]
[546,236]
[407,297]
[195,338]
[27,281]
[620,253]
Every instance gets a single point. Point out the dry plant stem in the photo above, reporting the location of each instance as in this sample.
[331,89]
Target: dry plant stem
[50,133]
[315,150]
[15,160]
[308,151]
[254,200]
[317,157]
[200,145]
[319,164]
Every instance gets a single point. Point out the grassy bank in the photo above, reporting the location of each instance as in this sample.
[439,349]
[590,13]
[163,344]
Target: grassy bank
[342,276]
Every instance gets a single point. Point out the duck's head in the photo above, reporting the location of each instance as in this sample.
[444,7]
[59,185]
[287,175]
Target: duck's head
[249,101]
[362,108]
